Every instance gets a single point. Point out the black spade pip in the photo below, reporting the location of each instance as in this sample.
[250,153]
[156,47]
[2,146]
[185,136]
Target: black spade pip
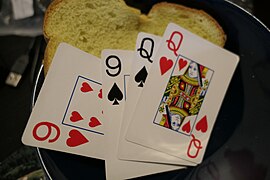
[141,76]
[115,94]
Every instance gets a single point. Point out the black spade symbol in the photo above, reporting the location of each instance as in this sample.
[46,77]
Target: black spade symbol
[141,77]
[115,94]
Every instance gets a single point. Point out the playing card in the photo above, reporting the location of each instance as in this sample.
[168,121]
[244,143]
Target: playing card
[181,99]
[115,70]
[67,115]
[146,47]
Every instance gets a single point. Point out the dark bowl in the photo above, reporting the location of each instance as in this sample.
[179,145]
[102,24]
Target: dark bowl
[239,144]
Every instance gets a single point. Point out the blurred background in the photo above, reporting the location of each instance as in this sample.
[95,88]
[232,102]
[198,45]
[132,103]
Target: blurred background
[21,33]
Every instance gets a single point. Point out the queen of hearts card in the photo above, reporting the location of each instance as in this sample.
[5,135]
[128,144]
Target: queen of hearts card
[183,96]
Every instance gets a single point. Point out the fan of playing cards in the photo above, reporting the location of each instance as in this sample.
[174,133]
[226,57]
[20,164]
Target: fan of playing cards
[145,111]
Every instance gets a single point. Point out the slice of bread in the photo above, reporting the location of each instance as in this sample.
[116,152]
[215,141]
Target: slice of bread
[196,21]
[93,25]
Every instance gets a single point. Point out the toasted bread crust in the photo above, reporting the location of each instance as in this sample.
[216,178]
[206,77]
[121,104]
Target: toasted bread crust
[47,59]
[202,13]
[53,5]
[53,39]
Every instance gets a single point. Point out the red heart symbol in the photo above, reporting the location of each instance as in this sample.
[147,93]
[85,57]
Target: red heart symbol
[94,122]
[182,63]
[86,87]
[165,64]
[186,127]
[202,125]
[100,94]
[75,116]
[76,138]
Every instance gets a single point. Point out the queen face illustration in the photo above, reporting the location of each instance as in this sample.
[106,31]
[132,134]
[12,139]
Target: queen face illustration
[183,96]
[193,70]
[175,121]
